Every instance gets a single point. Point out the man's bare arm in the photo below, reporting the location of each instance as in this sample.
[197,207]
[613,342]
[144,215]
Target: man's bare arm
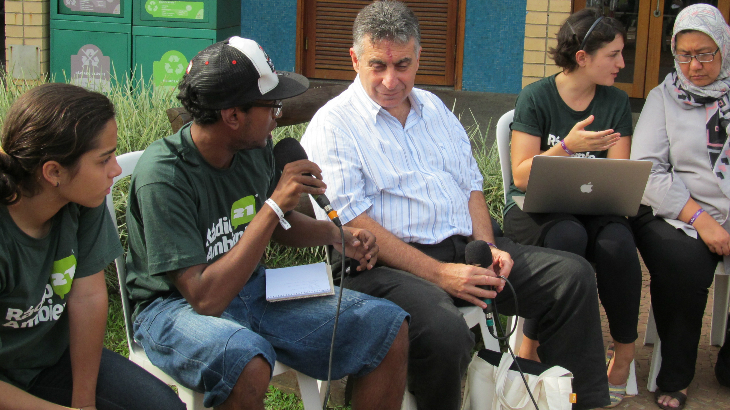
[458,280]
[209,288]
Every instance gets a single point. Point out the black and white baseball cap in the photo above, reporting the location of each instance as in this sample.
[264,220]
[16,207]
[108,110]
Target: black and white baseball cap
[237,71]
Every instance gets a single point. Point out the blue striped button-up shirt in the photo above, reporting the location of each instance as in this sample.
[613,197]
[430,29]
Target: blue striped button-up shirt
[415,180]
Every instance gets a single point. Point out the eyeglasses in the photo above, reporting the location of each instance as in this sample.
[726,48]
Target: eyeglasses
[702,58]
[276,105]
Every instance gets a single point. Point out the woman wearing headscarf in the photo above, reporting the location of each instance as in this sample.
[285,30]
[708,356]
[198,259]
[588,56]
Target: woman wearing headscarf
[682,226]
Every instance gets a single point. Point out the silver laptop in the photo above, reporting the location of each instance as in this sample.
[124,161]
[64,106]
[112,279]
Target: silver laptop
[585,186]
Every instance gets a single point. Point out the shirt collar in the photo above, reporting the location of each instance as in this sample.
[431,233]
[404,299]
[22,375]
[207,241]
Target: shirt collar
[371,109]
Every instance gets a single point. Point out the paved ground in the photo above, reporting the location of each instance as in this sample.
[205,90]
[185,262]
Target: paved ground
[704,392]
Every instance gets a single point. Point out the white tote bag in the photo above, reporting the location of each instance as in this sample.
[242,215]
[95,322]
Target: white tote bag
[492,385]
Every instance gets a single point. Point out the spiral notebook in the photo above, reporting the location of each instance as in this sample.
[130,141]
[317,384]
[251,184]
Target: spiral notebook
[297,282]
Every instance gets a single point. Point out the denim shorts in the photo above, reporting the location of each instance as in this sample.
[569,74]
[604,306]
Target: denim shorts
[208,354]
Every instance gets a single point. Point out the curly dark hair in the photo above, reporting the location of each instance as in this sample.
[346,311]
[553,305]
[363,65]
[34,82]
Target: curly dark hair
[188,97]
[52,122]
[573,32]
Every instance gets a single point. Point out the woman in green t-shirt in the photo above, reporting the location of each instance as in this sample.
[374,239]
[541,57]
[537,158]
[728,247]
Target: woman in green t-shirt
[57,165]
[578,112]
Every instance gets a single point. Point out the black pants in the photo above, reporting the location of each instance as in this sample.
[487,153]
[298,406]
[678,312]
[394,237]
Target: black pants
[556,288]
[121,385]
[682,269]
[606,241]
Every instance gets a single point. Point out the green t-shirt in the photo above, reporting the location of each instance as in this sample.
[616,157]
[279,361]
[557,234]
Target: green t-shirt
[540,111]
[184,212]
[35,277]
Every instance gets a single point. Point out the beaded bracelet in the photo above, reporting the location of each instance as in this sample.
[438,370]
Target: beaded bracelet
[565,148]
[282,221]
[694,217]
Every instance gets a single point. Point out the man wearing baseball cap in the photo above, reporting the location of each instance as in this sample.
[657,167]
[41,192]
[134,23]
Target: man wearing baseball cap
[203,205]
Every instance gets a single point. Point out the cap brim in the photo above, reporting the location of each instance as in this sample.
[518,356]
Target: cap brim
[290,85]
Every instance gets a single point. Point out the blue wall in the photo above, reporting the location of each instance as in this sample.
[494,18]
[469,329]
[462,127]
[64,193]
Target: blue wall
[494,43]
[493,40]
[273,24]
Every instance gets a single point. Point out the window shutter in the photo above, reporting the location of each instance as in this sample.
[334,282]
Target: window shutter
[328,38]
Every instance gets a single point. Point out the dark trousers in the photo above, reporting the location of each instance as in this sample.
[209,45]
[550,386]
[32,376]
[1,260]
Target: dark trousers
[682,269]
[121,385]
[556,288]
[618,271]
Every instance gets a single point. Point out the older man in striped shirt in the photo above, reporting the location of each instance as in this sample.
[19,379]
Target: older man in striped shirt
[398,163]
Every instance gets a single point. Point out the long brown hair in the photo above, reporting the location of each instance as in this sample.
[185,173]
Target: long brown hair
[52,122]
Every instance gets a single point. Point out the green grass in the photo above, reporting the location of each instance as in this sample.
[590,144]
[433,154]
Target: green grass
[141,119]
[115,338]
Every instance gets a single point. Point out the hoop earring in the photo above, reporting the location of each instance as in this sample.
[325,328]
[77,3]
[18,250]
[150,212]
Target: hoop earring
[57,184]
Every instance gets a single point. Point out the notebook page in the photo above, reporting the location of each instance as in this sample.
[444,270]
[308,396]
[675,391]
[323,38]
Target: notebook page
[298,282]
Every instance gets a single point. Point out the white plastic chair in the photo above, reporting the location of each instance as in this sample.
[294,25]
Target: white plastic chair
[503,148]
[717,332]
[308,387]
[503,136]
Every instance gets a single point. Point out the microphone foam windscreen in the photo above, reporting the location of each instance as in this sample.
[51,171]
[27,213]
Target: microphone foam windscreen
[478,253]
[288,150]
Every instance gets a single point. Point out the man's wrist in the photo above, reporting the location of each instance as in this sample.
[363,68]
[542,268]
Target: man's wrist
[275,207]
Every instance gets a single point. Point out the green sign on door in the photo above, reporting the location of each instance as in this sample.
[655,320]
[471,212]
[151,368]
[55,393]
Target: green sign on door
[169,70]
[175,9]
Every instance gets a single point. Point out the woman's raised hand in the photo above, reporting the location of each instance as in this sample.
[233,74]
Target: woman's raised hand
[580,140]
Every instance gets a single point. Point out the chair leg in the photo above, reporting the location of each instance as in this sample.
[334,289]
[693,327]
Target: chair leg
[515,341]
[409,401]
[310,392]
[651,335]
[631,386]
[322,387]
[654,366]
[656,356]
[192,399]
[720,307]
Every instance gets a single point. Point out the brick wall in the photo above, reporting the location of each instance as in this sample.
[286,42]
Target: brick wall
[27,23]
[543,20]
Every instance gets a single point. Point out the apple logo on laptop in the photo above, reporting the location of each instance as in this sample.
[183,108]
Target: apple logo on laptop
[586,188]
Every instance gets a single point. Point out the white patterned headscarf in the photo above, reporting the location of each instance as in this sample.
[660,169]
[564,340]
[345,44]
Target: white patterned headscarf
[706,19]
[713,97]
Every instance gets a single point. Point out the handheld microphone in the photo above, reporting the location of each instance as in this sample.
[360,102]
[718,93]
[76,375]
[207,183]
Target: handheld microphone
[289,150]
[479,253]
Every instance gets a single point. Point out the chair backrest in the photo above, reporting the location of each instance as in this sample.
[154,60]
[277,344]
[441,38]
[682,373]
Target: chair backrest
[127,162]
[503,146]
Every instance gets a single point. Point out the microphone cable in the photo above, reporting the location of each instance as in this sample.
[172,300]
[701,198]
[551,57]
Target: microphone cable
[493,305]
[337,318]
